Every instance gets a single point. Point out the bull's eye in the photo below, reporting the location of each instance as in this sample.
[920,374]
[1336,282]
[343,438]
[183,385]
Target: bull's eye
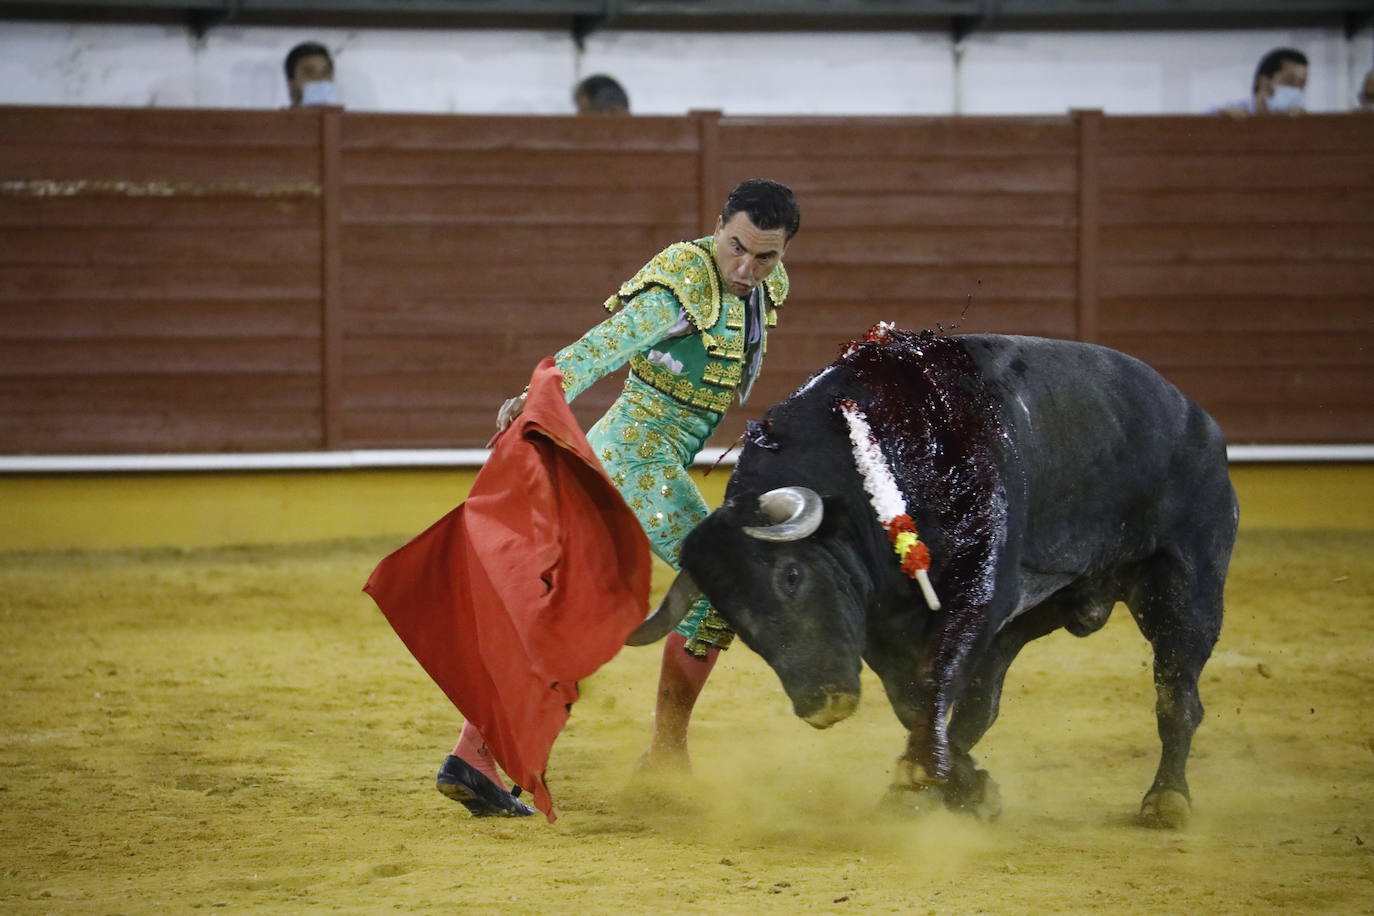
[789,579]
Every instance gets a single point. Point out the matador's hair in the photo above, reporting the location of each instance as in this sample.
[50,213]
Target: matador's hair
[770,205]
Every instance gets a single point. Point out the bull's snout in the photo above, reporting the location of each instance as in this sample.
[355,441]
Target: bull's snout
[828,708]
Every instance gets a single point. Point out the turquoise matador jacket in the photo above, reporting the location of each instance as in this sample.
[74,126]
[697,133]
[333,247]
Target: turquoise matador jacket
[693,347]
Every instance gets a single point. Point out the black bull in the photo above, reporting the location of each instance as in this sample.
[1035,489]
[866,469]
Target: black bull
[1049,479]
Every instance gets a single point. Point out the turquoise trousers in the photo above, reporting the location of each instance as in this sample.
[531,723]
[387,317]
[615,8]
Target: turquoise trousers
[646,442]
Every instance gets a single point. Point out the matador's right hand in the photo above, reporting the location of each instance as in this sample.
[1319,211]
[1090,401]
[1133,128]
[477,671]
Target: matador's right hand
[509,411]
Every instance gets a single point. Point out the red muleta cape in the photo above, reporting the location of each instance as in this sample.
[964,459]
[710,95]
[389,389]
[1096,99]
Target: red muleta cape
[530,585]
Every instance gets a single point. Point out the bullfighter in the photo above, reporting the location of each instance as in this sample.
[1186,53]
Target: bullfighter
[693,326]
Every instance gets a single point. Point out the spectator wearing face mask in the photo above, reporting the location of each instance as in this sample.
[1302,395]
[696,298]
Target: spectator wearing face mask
[1278,86]
[1364,99]
[310,75]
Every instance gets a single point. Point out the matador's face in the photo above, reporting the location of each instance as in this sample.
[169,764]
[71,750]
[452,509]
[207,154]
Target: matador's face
[745,253]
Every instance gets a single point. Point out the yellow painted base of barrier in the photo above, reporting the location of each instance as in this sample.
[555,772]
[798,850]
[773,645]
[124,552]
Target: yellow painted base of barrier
[105,511]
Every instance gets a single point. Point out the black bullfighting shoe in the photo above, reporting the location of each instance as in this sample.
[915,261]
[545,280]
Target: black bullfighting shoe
[461,781]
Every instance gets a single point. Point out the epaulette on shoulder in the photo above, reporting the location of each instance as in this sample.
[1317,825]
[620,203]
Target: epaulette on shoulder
[686,271]
[777,284]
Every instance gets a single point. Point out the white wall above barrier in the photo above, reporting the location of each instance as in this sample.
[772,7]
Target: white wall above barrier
[532,71]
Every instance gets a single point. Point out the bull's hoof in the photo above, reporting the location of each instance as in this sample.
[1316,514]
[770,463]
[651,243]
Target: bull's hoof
[910,802]
[913,792]
[664,761]
[1165,809]
[981,798]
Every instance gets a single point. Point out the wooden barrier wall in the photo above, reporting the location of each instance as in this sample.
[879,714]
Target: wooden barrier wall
[188,281]
[159,280]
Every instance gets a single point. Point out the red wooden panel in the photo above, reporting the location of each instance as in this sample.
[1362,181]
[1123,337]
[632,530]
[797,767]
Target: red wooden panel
[838,320]
[163,292]
[1257,352]
[418,426]
[403,387]
[75,394]
[669,213]
[502,133]
[153,127]
[919,245]
[1259,208]
[103,211]
[471,352]
[70,246]
[179,282]
[1241,259]
[460,315]
[132,318]
[1242,387]
[895,282]
[413,387]
[708,169]
[1238,315]
[110,162]
[121,357]
[804,172]
[831,210]
[1224,279]
[898,137]
[1089,125]
[1293,424]
[508,284]
[331,260]
[158,430]
[1337,133]
[1278,168]
[1236,256]
[521,168]
[472,422]
[616,251]
[1303,242]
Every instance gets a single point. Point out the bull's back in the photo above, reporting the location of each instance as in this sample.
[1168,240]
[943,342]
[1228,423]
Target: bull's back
[1105,456]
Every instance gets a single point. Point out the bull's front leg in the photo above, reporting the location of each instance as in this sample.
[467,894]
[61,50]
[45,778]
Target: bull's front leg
[936,767]
[923,769]
[922,772]
[929,773]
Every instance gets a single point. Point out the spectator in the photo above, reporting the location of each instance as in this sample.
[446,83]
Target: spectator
[310,75]
[1277,88]
[601,94]
[1364,100]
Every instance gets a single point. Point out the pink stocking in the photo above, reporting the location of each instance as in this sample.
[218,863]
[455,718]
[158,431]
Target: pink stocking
[472,749]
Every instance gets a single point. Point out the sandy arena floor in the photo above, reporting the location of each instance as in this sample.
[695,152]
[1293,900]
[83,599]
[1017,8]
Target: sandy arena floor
[239,729]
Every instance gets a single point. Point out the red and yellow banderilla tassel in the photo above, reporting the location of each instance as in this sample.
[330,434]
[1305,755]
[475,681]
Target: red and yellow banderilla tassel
[913,554]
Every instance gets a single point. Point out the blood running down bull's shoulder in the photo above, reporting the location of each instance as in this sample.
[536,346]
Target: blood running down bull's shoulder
[939,428]
[943,436]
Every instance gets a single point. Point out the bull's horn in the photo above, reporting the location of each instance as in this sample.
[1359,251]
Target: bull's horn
[681,595]
[795,511]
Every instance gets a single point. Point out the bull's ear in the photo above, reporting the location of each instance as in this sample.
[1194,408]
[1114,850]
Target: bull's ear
[682,594]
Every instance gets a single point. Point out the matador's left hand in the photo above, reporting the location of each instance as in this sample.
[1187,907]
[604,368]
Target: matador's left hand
[509,411]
